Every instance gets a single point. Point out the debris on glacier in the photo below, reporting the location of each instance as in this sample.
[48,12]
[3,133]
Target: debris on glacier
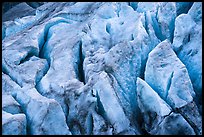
[124,58]
[100,126]
[93,67]
[146,94]
[168,76]
[122,85]
[13,124]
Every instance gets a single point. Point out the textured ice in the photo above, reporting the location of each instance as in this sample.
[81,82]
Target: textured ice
[108,99]
[150,6]
[81,106]
[17,25]
[45,116]
[96,68]
[163,71]
[22,9]
[183,7]
[168,76]
[158,115]
[196,11]
[40,111]
[153,113]
[13,124]
[10,105]
[166,17]
[146,94]
[188,45]
[68,59]
[182,31]
[174,124]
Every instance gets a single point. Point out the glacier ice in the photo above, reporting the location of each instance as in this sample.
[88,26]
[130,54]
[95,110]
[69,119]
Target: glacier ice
[108,99]
[17,25]
[182,31]
[168,76]
[174,124]
[102,68]
[166,16]
[10,105]
[21,9]
[45,116]
[99,125]
[163,69]
[13,124]
[196,11]
[36,108]
[158,115]
[81,105]
[183,7]
[188,45]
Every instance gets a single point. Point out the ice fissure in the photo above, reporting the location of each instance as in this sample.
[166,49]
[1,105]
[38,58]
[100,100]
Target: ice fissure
[96,68]
[80,65]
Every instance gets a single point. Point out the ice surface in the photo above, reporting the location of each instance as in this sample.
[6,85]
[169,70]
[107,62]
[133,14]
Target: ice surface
[184,25]
[168,76]
[158,115]
[188,45]
[81,104]
[10,105]
[96,68]
[63,66]
[174,124]
[109,102]
[146,94]
[183,7]
[162,73]
[45,116]
[36,108]
[13,124]
[166,17]
[18,11]
[17,25]
[196,11]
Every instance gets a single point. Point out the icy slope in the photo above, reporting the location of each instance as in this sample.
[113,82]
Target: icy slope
[103,68]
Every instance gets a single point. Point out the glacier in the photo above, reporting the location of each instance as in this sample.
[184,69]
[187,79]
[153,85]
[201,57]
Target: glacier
[158,116]
[102,68]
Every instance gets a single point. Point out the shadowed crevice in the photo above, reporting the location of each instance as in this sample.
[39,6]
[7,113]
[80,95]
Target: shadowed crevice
[80,65]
